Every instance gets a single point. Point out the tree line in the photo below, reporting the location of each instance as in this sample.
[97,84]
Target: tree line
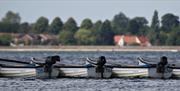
[164,32]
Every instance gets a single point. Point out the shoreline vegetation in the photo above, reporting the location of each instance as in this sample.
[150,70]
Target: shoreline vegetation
[92,48]
[160,31]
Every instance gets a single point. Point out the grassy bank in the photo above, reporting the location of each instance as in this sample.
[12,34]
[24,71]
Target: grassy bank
[91,48]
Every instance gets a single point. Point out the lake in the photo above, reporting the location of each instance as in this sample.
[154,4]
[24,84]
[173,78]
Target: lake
[80,84]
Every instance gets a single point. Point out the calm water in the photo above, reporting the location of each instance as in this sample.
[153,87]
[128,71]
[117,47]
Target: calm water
[75,84]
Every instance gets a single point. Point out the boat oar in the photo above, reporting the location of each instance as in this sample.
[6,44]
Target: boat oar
[71,66]
[133,66]
[8,66]
[15,61]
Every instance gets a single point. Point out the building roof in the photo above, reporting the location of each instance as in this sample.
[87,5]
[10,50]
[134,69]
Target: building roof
[117,38]
[48,37]
[130,39]
[143,39]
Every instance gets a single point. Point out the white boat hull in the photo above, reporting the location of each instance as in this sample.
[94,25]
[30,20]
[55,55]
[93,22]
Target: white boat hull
[27,72]
[73,72]
[116,72]
[84,72]
[17,72]
[80,72]
[130,72]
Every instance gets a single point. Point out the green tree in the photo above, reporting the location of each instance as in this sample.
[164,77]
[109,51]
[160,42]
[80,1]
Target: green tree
[144,31]
[173,37]
[12,17]
[105,34]
[68,31]
[9,27]
[119,23]
[95,32]
[10,23]
[169,21]
[155,22]
[24,27]
[70,25]
[84,37]
[41,25]
[66,38]
[97,25]
[162,38]
[133,27]
[5,40]
[56,26]
[141,21]
[154,32]
[86,24]
[136,24]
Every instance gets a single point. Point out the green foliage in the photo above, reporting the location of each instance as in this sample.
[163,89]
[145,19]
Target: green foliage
[169,21]
[144,31]
[95,32]
[173,37]
[9,27]
[119,23]
[70,25]
[24,28]
[141,21]
[5,40]
[133,27]
[41,25]
[105,34]
[152,35]
[155,22]
[158,38]
[98,33]
[154,32]
[10,23]
[84,37]
[137,24]
[86,24]
[12,17]
[56,26]
[97,26]
[162,38]
[66,38]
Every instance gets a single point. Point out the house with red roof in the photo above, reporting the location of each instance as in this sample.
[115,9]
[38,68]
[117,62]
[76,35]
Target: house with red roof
[131,40]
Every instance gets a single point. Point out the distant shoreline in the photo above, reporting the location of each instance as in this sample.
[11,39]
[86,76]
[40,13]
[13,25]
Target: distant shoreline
[93,48]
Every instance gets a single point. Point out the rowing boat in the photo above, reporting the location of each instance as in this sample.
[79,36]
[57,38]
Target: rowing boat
[144,70]
[93,69]
[21,68]
[17,72]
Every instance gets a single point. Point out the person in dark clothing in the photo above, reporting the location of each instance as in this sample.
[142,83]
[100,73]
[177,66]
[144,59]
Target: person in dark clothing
[161,65]
[100,63]
[49,64]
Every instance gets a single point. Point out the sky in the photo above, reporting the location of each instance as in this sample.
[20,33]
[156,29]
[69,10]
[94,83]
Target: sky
[31,10]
